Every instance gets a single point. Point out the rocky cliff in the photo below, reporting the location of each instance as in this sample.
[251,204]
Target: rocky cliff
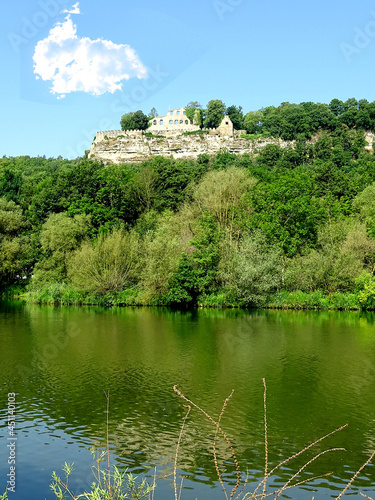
[133,146]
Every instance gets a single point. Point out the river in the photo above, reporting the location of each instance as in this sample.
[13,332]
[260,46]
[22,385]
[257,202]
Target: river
[319,369]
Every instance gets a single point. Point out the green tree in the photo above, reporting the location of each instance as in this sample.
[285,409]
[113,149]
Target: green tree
[108,264]
[162,249]
[153,113]
[215,113]
[193,112]
[285,209]
[342,253]
[253,122]
[252,270]
[135,120]
[15,248]
[173,180]
[220,192]
[236,115]
[60,235]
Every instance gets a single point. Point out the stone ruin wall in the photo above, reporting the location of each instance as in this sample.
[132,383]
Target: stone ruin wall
[118,146]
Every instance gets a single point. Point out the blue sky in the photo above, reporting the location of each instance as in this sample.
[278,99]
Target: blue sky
[70,69]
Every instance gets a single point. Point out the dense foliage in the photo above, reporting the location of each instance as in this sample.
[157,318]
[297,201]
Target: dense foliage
[287,227]
[136,120]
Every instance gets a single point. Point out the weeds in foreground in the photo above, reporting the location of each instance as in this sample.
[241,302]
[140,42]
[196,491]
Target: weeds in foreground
[108,485]
[111,484]
[260,490]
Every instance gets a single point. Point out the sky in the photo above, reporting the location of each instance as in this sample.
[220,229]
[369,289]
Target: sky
[72,68]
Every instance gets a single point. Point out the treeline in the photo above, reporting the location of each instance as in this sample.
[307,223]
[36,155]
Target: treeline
[290,121]
[287,227]
[302,121]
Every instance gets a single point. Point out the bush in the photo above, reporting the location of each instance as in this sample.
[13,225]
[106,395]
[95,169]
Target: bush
[106,265]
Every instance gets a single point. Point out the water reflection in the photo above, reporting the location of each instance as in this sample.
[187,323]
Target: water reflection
[319,369]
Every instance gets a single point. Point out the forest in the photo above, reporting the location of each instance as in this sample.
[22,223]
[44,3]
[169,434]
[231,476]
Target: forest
[287,227]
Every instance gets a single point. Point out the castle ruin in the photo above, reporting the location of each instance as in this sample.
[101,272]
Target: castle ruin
[174,135]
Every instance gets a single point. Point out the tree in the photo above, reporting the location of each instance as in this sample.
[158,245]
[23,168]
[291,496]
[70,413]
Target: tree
[193,110]
[193,104]
[253,269]
[153,113]
[219,193]
[144,186]
[106,265]
[136,120]
[215,113]
[60,235]
[253,122]
[236,115]
[337,107]
[161,256]
[343,252]
[15,248]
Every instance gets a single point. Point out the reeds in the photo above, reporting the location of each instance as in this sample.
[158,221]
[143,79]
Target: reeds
[262,485]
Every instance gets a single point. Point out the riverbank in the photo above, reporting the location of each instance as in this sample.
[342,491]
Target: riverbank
[65,295]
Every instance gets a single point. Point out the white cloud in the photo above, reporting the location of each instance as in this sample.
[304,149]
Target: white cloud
[74,10]
[76,64]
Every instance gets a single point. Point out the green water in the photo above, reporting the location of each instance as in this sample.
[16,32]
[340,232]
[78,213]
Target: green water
[319,369]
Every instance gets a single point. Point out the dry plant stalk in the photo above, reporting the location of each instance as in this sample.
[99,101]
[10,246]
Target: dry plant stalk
[304,481]
[366,496]
[253,495]
[177,449]
[107,443]
[214,446]
[265,438]
[267,473]
[286,485]
[355,476]
[219,429]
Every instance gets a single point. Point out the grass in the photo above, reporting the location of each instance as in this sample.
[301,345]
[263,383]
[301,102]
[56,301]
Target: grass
[196,132]
[255,137]
[316,300]
[150,134]
[65,294]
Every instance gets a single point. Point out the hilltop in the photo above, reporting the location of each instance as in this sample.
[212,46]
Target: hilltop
[187,133]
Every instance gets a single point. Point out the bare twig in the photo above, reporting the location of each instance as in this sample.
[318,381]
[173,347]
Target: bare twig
[214,446]
[265,437]
[366,496]
[177,391]
[298,454]
[356,475]
[288,487]
[304,467]
[107,444]
[179,496]
[177,449]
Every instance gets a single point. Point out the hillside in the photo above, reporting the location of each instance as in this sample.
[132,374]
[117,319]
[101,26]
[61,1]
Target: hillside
[284,225]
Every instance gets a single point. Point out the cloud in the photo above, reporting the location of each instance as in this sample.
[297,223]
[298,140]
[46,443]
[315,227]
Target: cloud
[74,10]
[75,64]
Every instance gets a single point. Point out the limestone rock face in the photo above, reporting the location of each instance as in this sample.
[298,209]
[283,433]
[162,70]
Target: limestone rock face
[117,146]
[134,147]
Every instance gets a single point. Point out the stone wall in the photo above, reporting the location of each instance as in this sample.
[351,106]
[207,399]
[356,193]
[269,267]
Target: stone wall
[175,119]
